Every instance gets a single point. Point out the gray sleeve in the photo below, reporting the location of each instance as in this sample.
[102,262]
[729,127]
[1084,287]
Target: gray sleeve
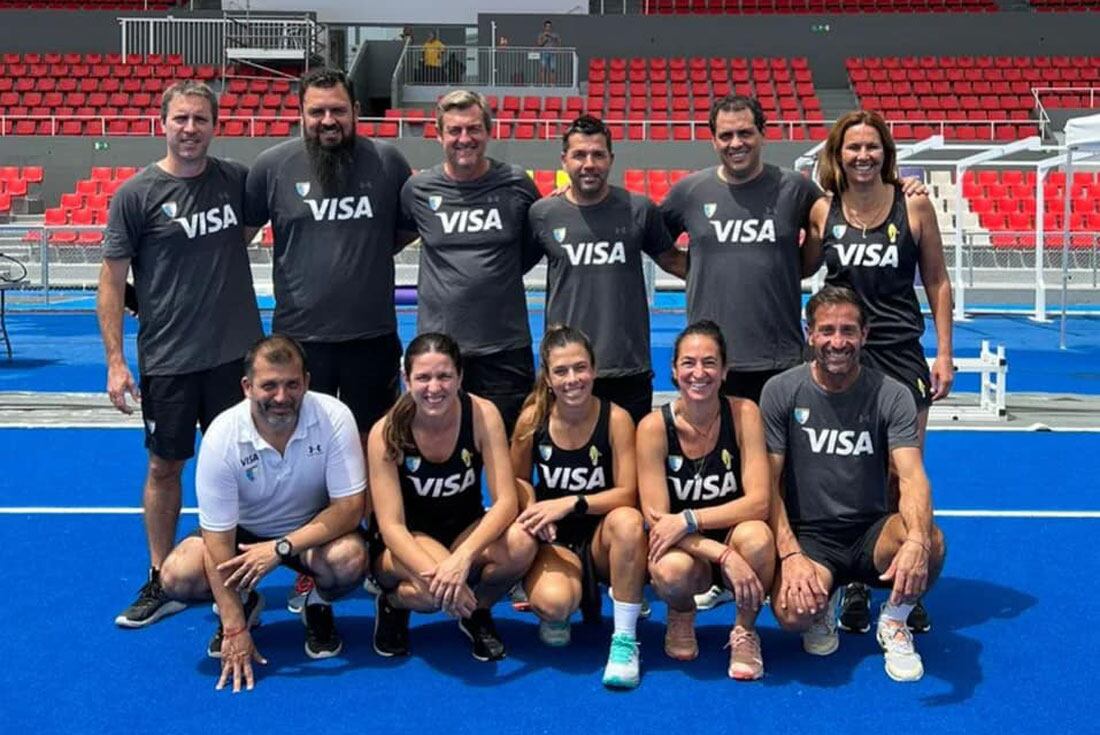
[897,406]
[123,232]
[532,251]
[655,239]
[256,211]
[808,194]
[401,171]
[774,412]
[408,200]
[672,211]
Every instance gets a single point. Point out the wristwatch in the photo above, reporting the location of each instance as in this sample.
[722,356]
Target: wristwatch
[284,548]
[580,507]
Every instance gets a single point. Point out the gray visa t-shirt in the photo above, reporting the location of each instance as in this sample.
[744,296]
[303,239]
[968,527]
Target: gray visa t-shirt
[185,242]
[333,267]
[473,255]
[836,445]
[744,260]
[594,280]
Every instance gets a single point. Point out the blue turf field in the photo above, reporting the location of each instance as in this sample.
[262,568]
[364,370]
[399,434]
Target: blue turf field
[1012,650]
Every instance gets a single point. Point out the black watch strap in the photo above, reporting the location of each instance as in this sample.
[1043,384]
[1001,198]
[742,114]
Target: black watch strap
[580,507]
[284,548]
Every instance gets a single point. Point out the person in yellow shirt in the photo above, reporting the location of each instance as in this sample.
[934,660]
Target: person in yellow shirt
[433,59]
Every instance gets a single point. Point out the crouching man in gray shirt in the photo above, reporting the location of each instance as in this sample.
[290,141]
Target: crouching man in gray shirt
[833,429]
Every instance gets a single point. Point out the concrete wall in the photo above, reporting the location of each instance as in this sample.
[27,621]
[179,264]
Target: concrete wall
[68,159]
[848,35]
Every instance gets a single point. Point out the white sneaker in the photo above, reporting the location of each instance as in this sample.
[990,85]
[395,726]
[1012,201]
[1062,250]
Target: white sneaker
[822,639]
[903,663]
[712,598]
[555,633]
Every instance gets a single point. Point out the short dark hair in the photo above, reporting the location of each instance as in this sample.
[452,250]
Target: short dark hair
[188,88]
[586,125]
[736,103]
[277,349]
[326,77]
[834,296]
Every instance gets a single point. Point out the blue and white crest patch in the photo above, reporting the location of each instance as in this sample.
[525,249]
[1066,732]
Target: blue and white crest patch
[545,450]
[675,462]
[839,230]
[412,463]
[710,208]
[559,234]
[170,209]
[302,187]
[801,415]
[435,202]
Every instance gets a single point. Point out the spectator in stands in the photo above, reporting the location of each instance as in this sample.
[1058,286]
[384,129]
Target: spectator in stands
[875,240]
[594,236]
[433,59]
[471,214]
[333,201]
[834,427]
[198,314]
[280,480]
[548,60]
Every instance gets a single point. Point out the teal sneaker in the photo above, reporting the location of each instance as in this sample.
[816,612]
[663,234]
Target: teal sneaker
[555,633]
[623,669]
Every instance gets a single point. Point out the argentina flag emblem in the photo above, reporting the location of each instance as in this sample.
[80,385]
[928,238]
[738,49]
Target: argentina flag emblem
[170,209]
[545,450]
[412,463]
[801,415]
[710,208]
[559,234]
[839,230]
[675,462]
[302,187]
[435,202]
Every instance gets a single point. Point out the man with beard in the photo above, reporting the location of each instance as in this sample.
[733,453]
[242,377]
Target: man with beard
[594,236]
[833,429]
[280,480]
[471,214]
[179,226]
[333,201]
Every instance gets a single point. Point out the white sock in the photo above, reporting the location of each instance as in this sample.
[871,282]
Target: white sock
[898,613]
[626,617]
[314,597]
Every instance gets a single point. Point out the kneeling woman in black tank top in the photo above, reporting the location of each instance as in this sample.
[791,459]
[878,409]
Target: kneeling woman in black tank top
[582,505]
[703,479]
[442,550]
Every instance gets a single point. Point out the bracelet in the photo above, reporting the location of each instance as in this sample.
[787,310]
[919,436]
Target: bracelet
[724,556]
[691,521]
[231,633]
[927,547]
[785,557]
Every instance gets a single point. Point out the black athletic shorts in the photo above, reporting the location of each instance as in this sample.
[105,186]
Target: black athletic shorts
[244,536]
[747,383]
[905,363]
[578,537]
[847,550]
[171,405]
[634,393]
[505,378]
[363,373]
[445,532]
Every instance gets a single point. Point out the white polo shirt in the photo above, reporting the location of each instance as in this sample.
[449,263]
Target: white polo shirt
[241,480]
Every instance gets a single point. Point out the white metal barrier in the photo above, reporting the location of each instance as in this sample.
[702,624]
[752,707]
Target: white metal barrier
[992,366]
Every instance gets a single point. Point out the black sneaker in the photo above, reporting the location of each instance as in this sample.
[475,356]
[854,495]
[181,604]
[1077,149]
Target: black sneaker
[855,609]
[391,628]
[481,631]
[919,621]
[322,640]
[252,607]
[151,604]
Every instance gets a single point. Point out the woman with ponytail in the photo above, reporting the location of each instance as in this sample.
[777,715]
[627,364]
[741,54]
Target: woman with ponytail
[438,548]
[582,502]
